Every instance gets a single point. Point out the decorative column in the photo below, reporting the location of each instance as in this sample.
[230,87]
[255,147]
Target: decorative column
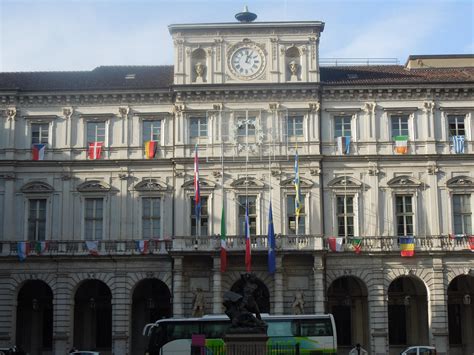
[178,310]
[319,291]
[314,117]
[369,109]
[378,313]
[428,109]
[11,113]
[7,309]
[216,286]
[438,304]
[121,305]
[278,282]
[9,213]
[67,113]
[63,309]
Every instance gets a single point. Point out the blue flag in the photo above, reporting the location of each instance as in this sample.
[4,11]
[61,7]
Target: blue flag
[271,243]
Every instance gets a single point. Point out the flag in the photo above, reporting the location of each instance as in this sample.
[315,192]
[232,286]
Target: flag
[23,249]
[271,242]
[407,246]
[401,144]
[150,149]
[95,150]
[38,151]
[471,243]
[343,144]
[248,255]
[41,247]
[223,242]
[335,244]
[92,246]
[357,245]
[197,193]
[456,236]
[297,191]
[142,246]
[458,144]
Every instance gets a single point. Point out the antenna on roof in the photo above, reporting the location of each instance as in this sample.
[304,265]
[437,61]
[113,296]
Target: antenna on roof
[245,16]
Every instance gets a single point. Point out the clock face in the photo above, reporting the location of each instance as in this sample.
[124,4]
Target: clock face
[246,62]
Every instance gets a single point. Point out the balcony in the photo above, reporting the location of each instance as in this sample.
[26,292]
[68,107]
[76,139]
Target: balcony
[210,244]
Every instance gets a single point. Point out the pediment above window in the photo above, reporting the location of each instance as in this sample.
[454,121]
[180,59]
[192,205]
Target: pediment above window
[204,184]
[404,181]
[247,183]
[344,182]
[290,183]
[37,187]
[147,185]
[94,186]
[460,182]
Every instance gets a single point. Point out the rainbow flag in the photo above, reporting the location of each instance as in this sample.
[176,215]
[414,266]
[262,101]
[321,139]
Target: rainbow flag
[407,246]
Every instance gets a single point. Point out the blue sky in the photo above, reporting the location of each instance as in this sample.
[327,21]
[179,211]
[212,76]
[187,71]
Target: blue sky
[45,35]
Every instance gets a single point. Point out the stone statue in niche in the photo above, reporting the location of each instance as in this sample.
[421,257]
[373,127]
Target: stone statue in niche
[198,303]
[293,67]
[199,70]
[240,308]
[298,302]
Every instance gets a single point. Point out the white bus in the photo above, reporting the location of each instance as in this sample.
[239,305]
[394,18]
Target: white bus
[312,334]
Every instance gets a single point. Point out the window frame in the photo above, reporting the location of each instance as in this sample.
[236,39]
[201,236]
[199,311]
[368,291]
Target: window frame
[399,116]
[294,132]
[104,217]
[146,136]
[462,214]
[152,217]
[96,122]
[46,215]
[292,217]
[206,217]
[247,121]
[345,215]
[252,216]
[342,117]
[199,119]
[39,125]
[456,123]
[404,214]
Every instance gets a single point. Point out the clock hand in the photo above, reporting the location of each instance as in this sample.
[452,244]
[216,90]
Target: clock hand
[247,60]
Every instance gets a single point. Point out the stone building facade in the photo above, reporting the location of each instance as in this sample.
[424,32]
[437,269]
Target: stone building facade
[123,246]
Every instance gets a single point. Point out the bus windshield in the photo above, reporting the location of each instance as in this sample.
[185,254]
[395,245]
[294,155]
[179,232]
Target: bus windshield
[311,333]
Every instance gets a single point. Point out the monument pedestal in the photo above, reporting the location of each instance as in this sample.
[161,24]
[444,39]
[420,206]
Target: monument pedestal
[246,344]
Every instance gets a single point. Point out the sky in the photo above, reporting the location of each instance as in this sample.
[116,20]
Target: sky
[66,35]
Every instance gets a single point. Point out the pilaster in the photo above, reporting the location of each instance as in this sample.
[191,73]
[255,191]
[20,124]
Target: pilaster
[378,319]
[216,286]
[319,292]
[121,305]
[278,298]
[178,310]
[439,312]
[63,309]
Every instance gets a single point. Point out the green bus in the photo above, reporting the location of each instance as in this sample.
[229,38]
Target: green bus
[311,333]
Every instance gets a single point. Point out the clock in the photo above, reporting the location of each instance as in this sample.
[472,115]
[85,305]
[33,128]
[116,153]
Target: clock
[247,62]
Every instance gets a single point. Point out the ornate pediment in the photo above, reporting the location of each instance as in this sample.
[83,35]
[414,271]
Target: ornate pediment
[94,186]
[247,183]
[37,187]
[204,184]
[290,183]
[151,185]
[344,182]
[404,181]
[460,182]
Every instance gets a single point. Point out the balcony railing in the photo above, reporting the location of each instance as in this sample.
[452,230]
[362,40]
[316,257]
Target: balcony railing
[177,244]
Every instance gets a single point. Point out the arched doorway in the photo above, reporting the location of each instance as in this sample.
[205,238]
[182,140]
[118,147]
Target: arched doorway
[407,313]
[261,294]
[151,301]
[461,315]
[93,316]
[347,301]
[34,318]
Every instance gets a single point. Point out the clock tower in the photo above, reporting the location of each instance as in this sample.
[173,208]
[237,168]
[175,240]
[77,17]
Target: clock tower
[246,52]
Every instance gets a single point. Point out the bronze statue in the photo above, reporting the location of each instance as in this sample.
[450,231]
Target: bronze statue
[241,308]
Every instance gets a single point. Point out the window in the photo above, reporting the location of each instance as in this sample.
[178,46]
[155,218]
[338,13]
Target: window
[399,125]
[291,215]
[462,214]
[94,218]
[39,133]
[252,211]
[345,216]
[204,220]
[246,127]
[295,126]
[151,217]
[151,130]
[456,125]
[37,219]
[342,126]
[404,215]
[95,132]
[198,127]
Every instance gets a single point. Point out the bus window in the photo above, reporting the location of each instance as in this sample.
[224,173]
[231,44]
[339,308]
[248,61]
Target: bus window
[319,327]
[280,328]
[214,330]
[177,330]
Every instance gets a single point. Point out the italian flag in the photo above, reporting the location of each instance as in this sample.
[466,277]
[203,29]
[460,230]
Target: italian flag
[223,242]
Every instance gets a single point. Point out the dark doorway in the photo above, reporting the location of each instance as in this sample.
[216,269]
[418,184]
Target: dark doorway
[93,316]
[34,325]
[151,302]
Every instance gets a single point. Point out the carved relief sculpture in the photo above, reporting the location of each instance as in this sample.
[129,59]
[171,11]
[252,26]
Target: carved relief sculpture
[298,302]
[198,303]
[293,67]
[199,70]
